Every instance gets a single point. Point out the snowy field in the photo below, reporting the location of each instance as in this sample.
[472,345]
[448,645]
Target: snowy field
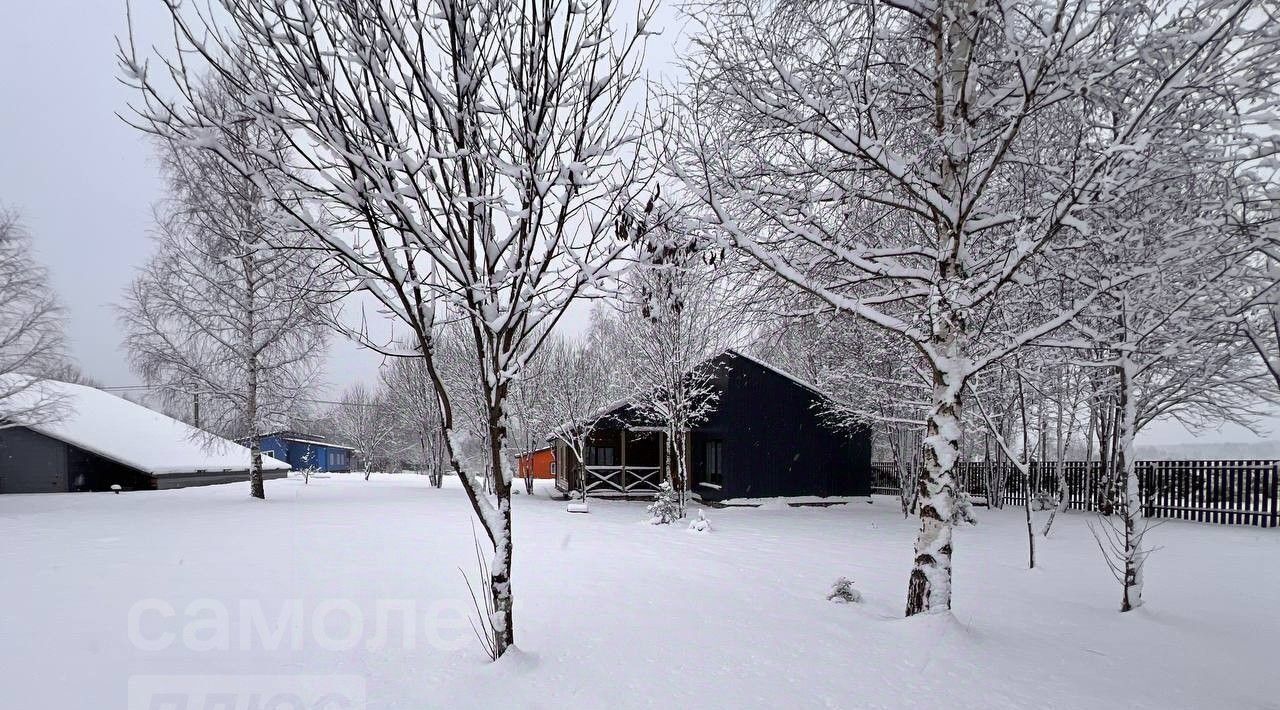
[612,611]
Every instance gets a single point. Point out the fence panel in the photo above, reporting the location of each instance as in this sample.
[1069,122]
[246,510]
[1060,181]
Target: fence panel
[1232,492]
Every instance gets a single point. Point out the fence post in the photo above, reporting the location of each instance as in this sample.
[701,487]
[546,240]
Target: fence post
[1275,494]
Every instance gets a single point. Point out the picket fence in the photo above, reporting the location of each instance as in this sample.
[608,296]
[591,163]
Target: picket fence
[1239,492]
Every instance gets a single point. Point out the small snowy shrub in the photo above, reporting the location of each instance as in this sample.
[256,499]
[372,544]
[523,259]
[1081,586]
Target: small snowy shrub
[963,511]
[308,466]
[701,524]
[842,592]
[665,509]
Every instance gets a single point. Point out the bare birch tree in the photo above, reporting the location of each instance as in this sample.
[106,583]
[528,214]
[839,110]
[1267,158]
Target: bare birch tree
[475,154]
[413,406]
[1067,390]
[676,312]
[1019,453]
[31,340]
[876,155]
[580,385]
[1175,351]
[229,311]
[363,419]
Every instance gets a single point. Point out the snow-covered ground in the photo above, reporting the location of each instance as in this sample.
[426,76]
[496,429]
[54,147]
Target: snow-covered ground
[610,610]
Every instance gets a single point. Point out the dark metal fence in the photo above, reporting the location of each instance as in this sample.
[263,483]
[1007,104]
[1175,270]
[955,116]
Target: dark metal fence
[1236,492]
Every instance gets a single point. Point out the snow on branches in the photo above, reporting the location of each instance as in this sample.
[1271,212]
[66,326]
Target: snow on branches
[230,311]
[31,339]
[935,168]
[474,157]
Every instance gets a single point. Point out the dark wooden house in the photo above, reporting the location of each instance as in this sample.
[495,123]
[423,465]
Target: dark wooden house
[96,440]
[765,438]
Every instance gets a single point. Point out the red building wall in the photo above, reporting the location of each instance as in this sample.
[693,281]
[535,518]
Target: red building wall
[542,462]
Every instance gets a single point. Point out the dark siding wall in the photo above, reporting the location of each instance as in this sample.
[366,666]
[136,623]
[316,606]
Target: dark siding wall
[190,480]
[90,472]
[31,462]
[774,443]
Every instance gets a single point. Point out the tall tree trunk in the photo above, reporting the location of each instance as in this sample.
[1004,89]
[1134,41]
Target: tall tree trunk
[677,473]
[256,488]
[929,588]
[1131,509]
[1065,432]
[255,468]
[1105,434]
[1031,535]
[1028,486]
[682,473]
[500,568]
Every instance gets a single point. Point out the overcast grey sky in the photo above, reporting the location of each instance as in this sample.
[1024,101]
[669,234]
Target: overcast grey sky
[84,181]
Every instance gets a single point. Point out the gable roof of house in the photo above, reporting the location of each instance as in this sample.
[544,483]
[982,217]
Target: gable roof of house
[303,438]
[128,433]
[617,408]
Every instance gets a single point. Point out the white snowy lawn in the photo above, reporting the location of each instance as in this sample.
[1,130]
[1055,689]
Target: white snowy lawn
[612,611]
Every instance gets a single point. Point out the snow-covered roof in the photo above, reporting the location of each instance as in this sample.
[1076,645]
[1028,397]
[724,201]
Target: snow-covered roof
[313,439]
[593,417]
[128,433]
[317,442]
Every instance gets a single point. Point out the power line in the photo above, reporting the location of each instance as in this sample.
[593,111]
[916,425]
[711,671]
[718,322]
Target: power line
[309,400]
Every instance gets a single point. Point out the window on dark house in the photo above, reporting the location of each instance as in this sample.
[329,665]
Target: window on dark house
[713,463]
[602,456]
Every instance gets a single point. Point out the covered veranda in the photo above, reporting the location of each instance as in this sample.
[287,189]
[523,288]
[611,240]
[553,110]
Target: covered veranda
[619,463]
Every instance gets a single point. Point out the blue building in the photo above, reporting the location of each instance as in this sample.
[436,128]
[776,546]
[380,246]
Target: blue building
[303,451]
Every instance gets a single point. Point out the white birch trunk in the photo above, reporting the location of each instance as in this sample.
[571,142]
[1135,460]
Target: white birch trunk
[929,588]
[256,489]
[500,568]
[1134,554]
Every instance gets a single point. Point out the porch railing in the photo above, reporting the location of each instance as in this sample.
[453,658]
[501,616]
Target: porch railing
[617,479]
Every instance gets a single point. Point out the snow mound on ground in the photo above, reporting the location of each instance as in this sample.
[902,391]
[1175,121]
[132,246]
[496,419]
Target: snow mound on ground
[700,524]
